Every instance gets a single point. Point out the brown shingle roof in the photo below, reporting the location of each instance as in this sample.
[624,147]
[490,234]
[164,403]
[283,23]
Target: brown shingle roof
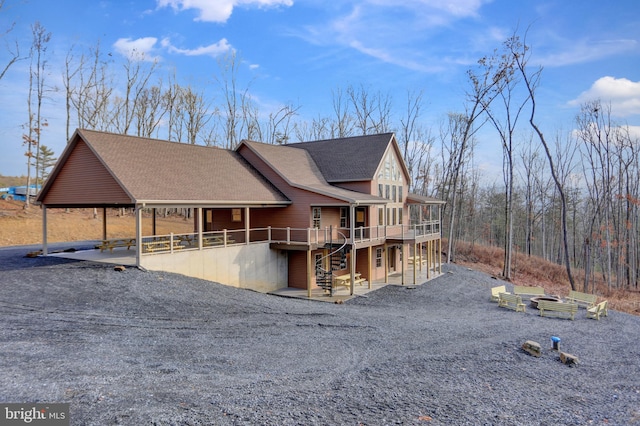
[348,159]
[298,168]
[153,170]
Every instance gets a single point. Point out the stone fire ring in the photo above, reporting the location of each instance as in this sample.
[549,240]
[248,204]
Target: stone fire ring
[534,300]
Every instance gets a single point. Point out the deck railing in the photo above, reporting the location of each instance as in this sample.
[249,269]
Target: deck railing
[294,236]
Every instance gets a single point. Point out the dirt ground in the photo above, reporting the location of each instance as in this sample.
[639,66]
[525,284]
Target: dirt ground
[20,226]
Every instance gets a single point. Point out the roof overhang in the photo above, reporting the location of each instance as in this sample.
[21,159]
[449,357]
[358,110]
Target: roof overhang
[421,199]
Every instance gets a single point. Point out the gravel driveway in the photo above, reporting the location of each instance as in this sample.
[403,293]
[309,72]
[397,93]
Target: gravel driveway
[139,348]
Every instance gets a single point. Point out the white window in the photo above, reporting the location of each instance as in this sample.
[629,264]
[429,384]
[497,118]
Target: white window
[316,217]
[378,258]
[343,217]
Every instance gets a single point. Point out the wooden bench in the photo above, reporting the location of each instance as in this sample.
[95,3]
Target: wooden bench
[416,260]
[511,301]
[600,310]
[160,245]
[549,308]
[345,280]
[588,300]
[527,291]
[111,244]
[217,240]
[495,292]
[359,281]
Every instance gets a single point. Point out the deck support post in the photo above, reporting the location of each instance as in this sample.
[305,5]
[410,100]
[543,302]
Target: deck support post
[153,221]
[386,263]
[246,225]
[418,259]
[309,273]
[138,211]
[199,227]
[370,272]
[104,223]
[45,249]
[352,229]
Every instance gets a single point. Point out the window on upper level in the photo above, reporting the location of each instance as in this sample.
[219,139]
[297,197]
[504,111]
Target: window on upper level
[343,217]
[317,213]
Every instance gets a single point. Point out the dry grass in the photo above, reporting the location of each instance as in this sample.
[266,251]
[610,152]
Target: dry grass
[21,227]
[535,271]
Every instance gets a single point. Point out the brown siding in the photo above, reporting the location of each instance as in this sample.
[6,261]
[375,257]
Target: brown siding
[298,269]
[362,262]
[365,187]
[83,180]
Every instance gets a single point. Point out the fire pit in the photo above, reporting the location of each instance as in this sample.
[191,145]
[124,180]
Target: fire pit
[534,300]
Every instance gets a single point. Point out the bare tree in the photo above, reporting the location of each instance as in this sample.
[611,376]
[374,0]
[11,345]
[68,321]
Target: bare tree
[138,75]
[505,118]
[90,91]
[520,53]
[343,125]
[14,52]
[484,88]
[37,79]
[234,123]
[372,111]
[150,111]
[195,113]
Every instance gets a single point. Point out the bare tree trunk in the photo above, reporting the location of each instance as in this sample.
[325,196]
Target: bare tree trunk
[519,52]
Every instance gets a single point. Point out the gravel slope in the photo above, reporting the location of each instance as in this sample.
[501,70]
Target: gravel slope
[139,347]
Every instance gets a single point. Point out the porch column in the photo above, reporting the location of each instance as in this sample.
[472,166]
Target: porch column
[439,254]
[404,259]
[386,263]
[153,221]
[138,210]
[429,258]
[199,227]
[370,272]
[44,230]
[418,259]
[104,223]
[246,225]
[352,231]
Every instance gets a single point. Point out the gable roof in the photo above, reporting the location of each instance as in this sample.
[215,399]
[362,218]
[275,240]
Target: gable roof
[298,168]
[348,159]
[154,171]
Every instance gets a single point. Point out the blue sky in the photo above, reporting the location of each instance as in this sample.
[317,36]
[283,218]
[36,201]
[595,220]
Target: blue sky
[300,51]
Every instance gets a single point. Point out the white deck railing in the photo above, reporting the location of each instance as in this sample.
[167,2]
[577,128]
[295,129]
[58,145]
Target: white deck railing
[305,236]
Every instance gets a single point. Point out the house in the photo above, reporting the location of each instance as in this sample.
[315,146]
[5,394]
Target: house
[265,216]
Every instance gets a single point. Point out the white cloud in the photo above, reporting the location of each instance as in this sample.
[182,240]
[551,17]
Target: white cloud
[215,49]
[622,94]
[587,51]
[390,30]
[218,10]
[138,50]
